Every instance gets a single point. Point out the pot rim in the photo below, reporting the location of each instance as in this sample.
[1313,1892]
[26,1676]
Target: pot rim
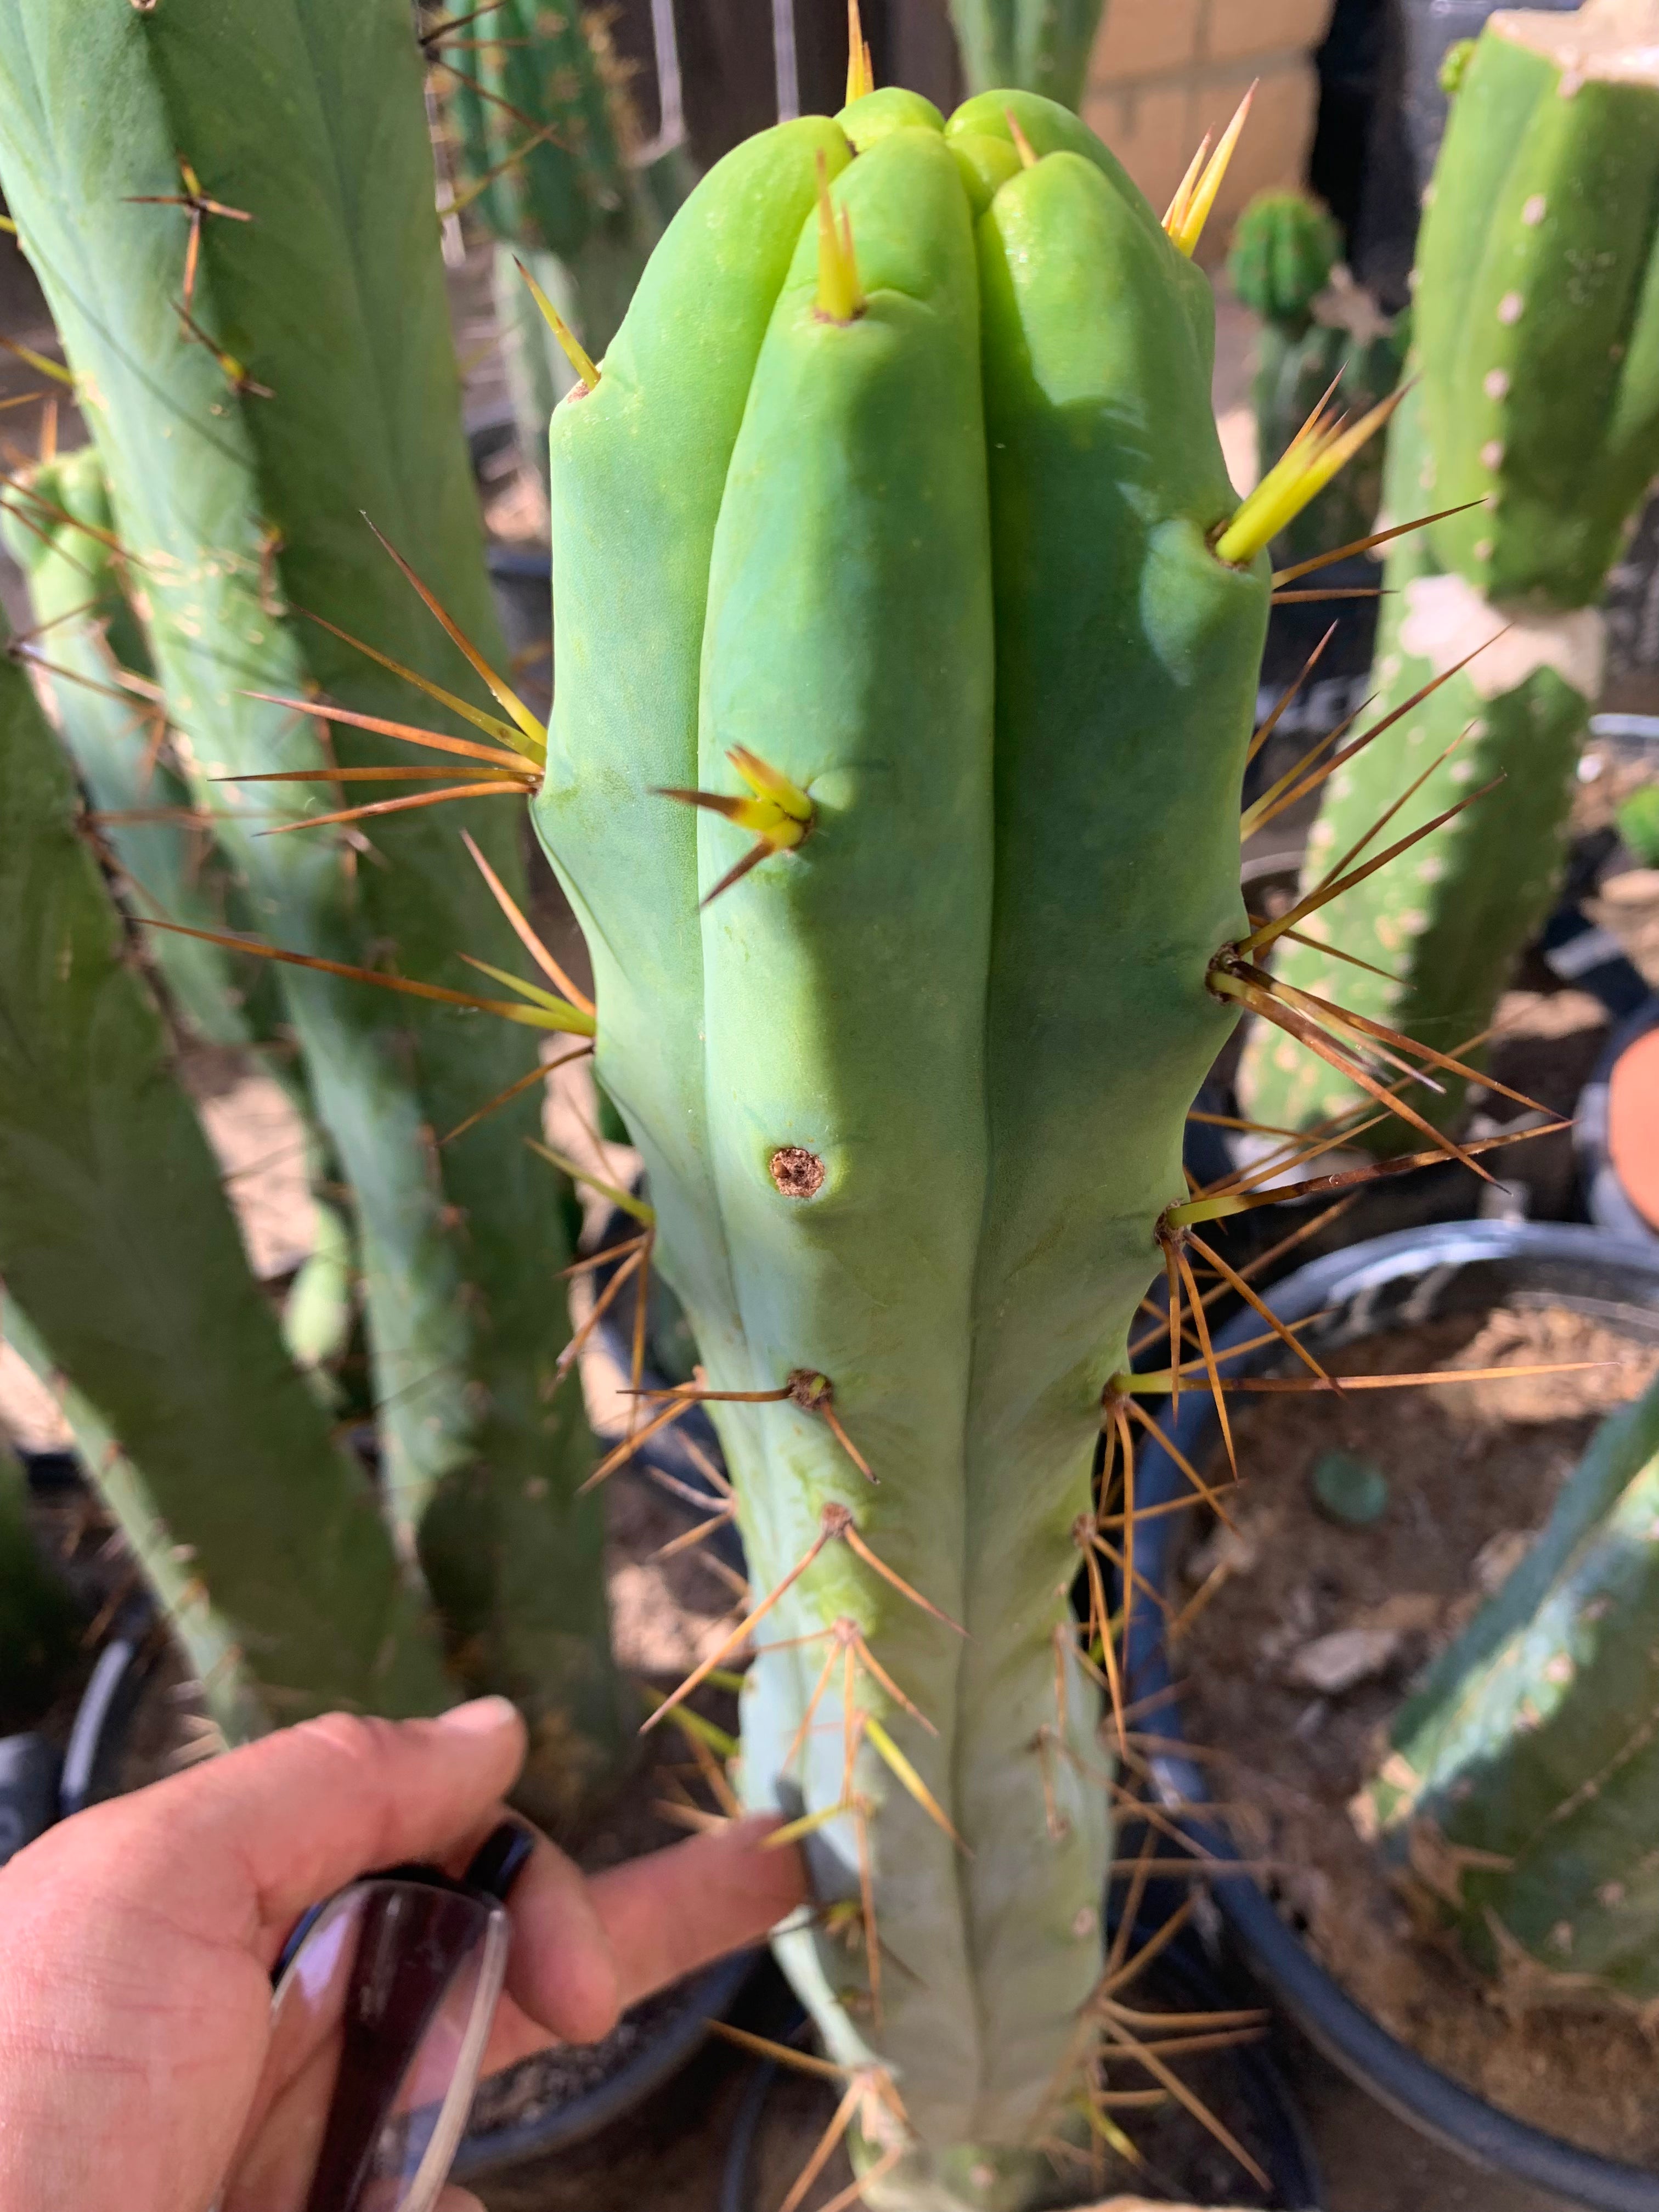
[1388,2070]
[709,1995]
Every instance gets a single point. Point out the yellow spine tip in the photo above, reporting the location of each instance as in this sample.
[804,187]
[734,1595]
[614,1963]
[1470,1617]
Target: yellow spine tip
[840,297]
[1325,443]
[587,376]
[1023,145]
[1190,210]
[860,77]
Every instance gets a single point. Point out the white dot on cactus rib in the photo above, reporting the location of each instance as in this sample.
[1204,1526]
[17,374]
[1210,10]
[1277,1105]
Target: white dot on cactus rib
[1427,196]
[1496,384]
[1416,737]
[1559,1668]
[1430,870]
[1323,833]
[1509,306]
[1533,213]
[1426,478]
[1316,926]
[1332,1102]
[1414,921]
[1492,453]
[1341,786]
[1084,1922]
[1475,729]
[1572,83]
[1483,550]
[1460,770]
[1388,668]
[1284,1060]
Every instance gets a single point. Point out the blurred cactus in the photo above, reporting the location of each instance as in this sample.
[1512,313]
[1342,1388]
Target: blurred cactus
[1523,1778]
[260,335]
[1038,46]
[1315,333]
[1536,420]
[548,152]
[260,1536]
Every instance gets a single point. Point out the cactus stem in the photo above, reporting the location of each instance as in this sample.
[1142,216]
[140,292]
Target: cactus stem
[1023,146]
[587,376]
[535,1017]
[903,1773]
[860,75]
[1324,445]
[1185,221]
[840,296]
[200,206]
[1098,1629]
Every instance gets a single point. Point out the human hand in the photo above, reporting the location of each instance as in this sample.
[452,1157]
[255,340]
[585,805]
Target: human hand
[136,1940]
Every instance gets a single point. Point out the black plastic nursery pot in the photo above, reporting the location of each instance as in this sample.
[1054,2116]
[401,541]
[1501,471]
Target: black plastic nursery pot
[1398,1280]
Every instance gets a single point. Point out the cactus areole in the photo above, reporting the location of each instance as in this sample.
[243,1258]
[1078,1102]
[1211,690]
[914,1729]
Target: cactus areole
[886,533]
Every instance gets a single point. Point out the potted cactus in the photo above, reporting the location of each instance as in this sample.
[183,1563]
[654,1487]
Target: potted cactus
[1494,1863]
[906,639]
[1532,426]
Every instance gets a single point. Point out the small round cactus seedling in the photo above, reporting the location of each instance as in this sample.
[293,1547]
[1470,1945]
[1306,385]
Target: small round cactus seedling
[1283,250]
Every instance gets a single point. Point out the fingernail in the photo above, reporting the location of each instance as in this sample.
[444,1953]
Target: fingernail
[480,1716]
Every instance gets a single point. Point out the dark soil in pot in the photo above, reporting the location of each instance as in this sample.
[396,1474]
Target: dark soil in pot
[1304,1633]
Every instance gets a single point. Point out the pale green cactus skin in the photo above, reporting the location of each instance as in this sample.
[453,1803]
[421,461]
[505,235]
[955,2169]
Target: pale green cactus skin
[237,510]
[1019,697]
[1532,1737]
[118,1245]
[1537,318]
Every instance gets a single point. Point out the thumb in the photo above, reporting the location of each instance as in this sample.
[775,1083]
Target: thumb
[240,1846]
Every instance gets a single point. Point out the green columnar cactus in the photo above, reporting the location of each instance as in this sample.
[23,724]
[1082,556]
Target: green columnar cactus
[308,380]
[1528,1761]
[569,205]
[118,1245]
[57,529]
[1041,46]
[1537,344]
[916,536]
[1284,252]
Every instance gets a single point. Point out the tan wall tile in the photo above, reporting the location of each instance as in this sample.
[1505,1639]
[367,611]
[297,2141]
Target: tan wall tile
[1154,129]
[1236,29]
[1273,150]
[1139,38]
[1146,126]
